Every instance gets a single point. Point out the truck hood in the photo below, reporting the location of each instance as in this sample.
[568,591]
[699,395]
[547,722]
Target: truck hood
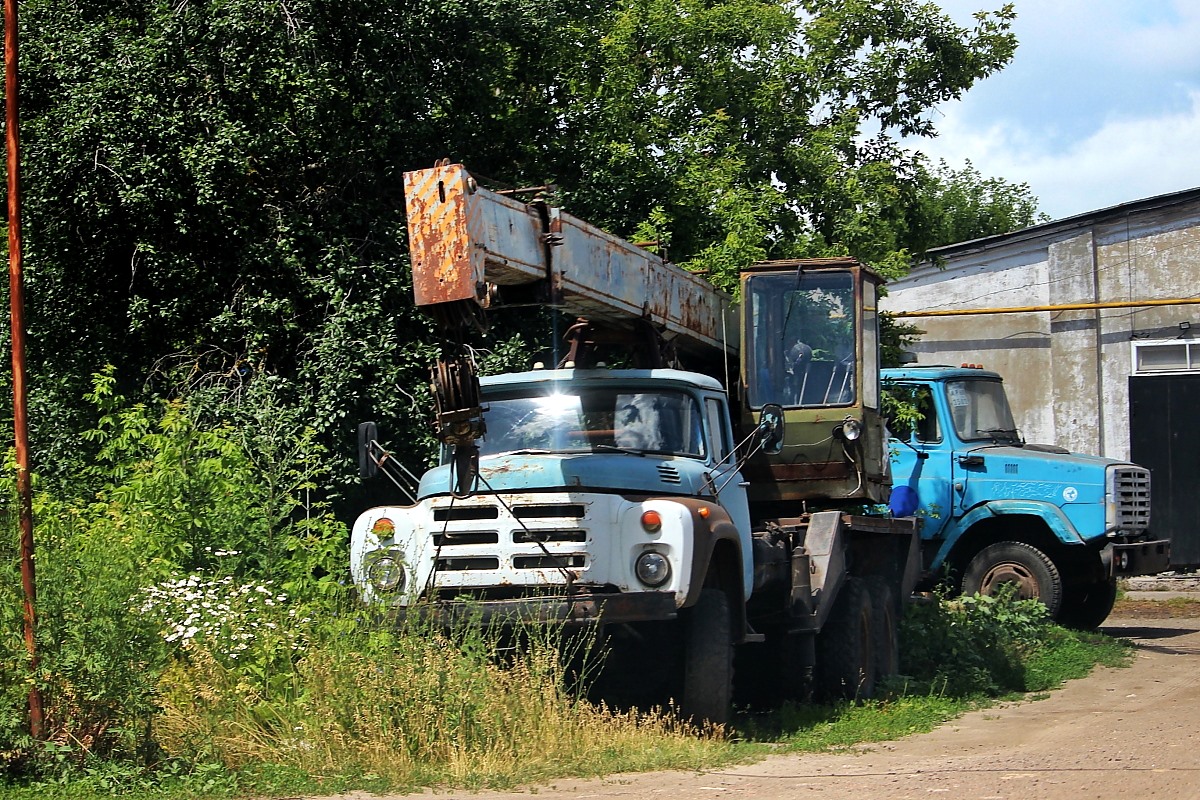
[1072,464]
[1014,473]
[607,472]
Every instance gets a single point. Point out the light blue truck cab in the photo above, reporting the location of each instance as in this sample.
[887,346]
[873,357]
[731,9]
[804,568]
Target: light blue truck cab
[600,492]
[994,509]
[604,501]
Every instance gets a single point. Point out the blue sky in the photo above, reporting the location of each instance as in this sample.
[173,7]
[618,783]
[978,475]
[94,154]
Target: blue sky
[1100,105]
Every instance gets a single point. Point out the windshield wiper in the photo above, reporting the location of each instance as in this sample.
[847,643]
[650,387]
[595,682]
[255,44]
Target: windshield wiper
[613,448]
[995,433]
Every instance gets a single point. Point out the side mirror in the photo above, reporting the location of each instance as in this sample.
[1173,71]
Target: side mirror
[770,428]
[368,434]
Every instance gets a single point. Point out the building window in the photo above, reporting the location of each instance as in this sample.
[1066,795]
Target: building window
[1169,356]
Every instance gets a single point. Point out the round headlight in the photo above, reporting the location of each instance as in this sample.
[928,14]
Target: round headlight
[652,568]
[851,429]
[387,573]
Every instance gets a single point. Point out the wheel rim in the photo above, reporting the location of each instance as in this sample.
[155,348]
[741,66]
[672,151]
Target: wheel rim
[1014,573]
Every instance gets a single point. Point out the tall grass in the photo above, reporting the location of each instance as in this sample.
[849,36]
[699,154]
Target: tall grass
[416,708]
[191,617]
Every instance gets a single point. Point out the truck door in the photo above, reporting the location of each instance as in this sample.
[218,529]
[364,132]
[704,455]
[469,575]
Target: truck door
[930,477]
[731,491]
[978,416]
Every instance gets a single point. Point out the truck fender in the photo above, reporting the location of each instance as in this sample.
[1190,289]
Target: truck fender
[714,530]
[1052,515]
[385,528]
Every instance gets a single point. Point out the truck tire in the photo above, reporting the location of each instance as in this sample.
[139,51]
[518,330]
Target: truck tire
[1085,607]
[846,660]
[887,627]
[708,659]
[1034,574]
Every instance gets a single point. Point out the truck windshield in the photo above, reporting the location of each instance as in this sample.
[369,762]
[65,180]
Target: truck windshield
[800,330]
[980,411]
[595,420]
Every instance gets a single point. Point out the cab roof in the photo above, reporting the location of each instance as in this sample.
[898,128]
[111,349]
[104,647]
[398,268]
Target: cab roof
[937,372]
[602,376]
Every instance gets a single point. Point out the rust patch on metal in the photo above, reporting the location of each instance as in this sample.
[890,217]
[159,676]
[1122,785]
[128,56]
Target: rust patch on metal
[437,203]
[507,468]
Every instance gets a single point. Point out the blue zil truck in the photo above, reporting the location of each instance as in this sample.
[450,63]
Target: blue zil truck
[994,509]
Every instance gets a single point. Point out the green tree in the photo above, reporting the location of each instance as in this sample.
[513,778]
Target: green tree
[214,193]
[743,129]
[961,205]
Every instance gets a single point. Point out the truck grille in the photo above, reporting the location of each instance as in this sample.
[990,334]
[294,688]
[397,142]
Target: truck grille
[531,542]
[1131,496]
[549,511]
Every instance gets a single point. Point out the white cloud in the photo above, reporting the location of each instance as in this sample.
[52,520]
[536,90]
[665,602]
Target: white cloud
[1100,106]
[1171,44]
[1127,158]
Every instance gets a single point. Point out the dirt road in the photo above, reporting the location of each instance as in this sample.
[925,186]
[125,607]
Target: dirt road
[1120,733]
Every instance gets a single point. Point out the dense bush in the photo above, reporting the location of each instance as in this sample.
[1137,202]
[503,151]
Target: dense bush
[182,525]
[973,644]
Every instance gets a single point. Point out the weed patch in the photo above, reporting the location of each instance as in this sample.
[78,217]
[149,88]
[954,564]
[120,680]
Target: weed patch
[413,708]
[972,645]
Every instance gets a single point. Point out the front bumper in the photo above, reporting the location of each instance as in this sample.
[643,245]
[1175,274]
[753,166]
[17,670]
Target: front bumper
[1127,559]
[581,610]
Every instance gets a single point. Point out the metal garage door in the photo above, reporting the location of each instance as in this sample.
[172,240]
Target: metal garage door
[1164,435]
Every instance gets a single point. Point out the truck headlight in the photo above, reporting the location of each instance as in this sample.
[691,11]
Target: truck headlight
[850,429]
[386,572]
[652,568]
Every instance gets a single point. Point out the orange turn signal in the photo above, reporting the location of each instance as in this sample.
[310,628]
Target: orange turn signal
[651,521]
[704,512]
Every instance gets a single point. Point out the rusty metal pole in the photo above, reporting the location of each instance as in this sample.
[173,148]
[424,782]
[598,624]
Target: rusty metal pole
[17,305]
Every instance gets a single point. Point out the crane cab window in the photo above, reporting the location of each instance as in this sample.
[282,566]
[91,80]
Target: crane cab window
[802,339]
